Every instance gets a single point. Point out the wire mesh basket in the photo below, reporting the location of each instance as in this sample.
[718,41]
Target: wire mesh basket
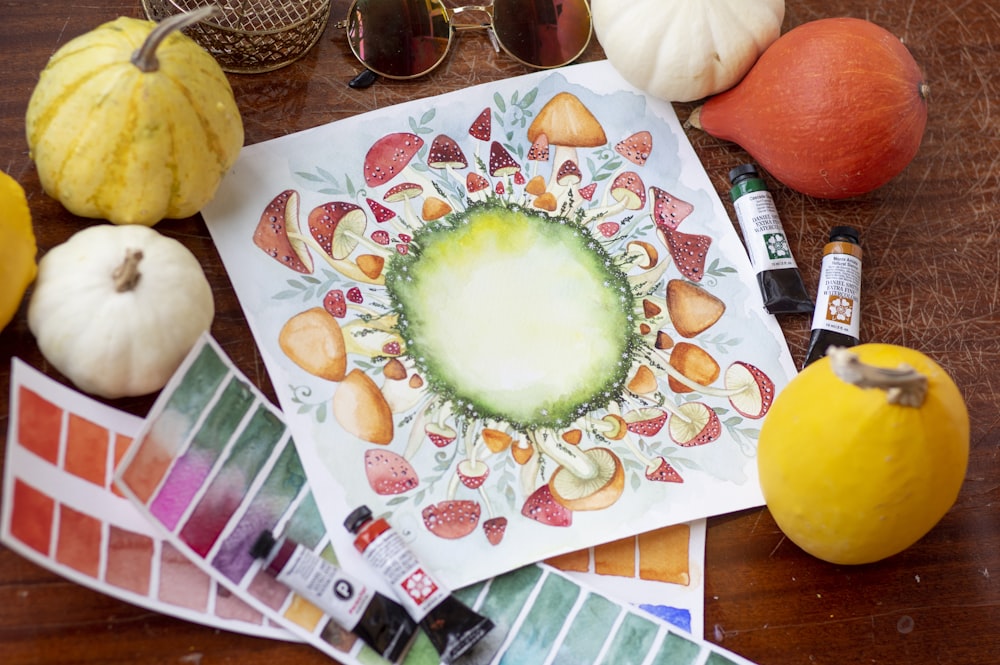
[251,36]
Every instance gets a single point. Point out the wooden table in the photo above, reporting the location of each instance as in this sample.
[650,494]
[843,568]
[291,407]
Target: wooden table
[932,269]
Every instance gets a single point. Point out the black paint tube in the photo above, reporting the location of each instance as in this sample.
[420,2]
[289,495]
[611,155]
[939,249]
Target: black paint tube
[778,275]
[453,627]
[837,319]
[382,623]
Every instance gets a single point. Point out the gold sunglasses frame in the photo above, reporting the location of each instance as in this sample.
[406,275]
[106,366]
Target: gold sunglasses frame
[454,27]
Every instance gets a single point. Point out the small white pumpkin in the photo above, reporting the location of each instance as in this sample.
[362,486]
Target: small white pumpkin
[117,308]
[683,50]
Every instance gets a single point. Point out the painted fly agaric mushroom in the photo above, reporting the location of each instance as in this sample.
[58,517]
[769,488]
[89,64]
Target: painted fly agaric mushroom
[645,421]
[636,148]
[277,233]
[689,250]
[388,473]
[502,163]
[667,210]
[337,227]
[482,127]
[314,341]
[446,154]
[361,409]
[389,156]
[404,192]
[568,125]
[658,469]
[477,186]
[452,519]
[629,193]
[538,152]
[694,424]
[694,363]
[542,507]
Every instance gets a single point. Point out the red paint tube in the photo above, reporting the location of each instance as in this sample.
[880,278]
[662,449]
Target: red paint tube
[453,628]
[381,622]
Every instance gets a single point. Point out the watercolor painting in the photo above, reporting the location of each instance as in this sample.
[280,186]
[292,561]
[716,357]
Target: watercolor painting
[213,465]
[515,319]
[61,510]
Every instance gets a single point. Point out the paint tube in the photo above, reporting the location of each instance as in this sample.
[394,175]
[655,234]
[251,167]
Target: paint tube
[837,320]
[382,623]
[453,628]
[778,275]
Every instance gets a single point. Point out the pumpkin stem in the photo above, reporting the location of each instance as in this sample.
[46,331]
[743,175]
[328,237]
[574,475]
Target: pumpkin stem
[127,275]
[145,56]
[904,385]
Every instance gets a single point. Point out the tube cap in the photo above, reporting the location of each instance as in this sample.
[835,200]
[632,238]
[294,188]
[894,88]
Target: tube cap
[264,544]
[848,233]
[358,517]
[743,170]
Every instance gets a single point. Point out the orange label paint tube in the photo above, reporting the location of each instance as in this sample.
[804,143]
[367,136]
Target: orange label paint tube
[837,319]
[778,275]
[453,628]
[382,623]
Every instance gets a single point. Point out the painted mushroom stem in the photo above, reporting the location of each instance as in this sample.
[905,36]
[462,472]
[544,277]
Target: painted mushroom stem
[563,454]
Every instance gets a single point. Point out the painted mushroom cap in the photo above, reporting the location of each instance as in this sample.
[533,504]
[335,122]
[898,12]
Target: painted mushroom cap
[336,226]
[389,156]
[501,161]
[636,148]
[567,122]
[445,153]
[568,174]
[452,519]
[389,473]
[482,127]
[629,188]
[668,210]
[280,218]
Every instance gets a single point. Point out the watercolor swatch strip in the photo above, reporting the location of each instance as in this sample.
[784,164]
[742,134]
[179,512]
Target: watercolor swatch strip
[61,511]
[213,504]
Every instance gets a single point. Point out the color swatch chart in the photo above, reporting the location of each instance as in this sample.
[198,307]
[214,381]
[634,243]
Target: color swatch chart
[214,465]
[61,511]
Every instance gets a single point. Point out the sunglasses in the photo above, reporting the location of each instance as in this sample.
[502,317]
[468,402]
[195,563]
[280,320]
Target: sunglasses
[404,39]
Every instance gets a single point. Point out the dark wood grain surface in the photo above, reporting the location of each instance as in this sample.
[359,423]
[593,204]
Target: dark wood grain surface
[931,281]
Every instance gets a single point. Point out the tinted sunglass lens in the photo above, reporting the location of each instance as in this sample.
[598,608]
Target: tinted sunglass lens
[399,38]
[542,33]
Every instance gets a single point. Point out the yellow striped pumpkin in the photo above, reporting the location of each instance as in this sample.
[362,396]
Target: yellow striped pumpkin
[133,122]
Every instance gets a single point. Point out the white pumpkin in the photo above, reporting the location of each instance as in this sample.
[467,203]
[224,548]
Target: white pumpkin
[683,50]
[117,308]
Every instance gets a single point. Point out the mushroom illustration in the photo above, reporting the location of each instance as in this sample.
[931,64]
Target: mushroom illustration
[502,163]
[482,126]
[452,519]
[749,390]
[337,227]
[314,341]
[277,233]
[568,125]
[636,148]
[404,192]
[434,208]
[361,409]
[542,507]
[700,425]
[629,193]
[567,179]
[446,154]
[645,421]
[666,209]
[587,191]
[691,308]
[494,528]
[389,156]
[590,479]
[538,152]
[689,250]
[611,426]
[477,186]
[389,473]
[658,469]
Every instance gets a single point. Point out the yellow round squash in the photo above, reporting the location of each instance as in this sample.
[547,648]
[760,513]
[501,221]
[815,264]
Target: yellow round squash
[864,452]
[17,247]
[133,122]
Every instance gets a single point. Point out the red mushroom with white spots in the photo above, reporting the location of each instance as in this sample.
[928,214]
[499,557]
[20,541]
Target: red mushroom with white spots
[278,234]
